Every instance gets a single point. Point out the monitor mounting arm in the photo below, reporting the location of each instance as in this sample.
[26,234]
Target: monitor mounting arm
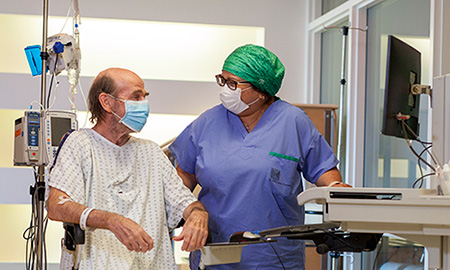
[418,89]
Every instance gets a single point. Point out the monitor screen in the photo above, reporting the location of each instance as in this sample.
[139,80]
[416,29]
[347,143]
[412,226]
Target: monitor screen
[59,127]
[402,71]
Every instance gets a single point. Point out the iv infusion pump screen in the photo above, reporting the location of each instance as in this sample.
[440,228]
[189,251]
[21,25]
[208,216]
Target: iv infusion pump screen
[59,126]
[38,134]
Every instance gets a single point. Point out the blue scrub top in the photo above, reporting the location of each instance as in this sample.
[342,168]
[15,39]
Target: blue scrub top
[250,181]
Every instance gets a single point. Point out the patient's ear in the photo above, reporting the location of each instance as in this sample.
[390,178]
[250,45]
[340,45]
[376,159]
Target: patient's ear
[105,101]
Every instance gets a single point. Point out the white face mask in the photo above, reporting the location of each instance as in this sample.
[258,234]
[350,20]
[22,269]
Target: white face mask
[231,99]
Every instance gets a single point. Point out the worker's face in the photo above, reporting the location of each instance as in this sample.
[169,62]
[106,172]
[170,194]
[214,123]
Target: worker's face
[247,96]
[250,96]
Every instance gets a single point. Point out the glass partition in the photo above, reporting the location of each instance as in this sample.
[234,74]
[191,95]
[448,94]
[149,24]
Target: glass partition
[388,161]
[328,5]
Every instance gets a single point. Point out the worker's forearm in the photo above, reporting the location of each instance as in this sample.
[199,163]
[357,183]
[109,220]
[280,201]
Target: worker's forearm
[189,179]
[329,177]
[193,207]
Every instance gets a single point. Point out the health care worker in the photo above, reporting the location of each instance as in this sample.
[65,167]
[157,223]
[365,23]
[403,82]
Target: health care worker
[248,155]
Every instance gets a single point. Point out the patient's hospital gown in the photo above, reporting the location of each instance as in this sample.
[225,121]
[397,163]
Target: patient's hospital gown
[135,180]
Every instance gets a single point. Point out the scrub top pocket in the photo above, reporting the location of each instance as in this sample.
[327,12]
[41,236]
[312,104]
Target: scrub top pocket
[282,173]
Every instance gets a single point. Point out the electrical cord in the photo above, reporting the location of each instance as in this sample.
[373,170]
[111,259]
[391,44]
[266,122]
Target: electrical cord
[422,176]
[51,80]
[420,179]
[276,253]
[44,243]
[408,141]
[430,144]
[427,146]
[30,233]
[418,160]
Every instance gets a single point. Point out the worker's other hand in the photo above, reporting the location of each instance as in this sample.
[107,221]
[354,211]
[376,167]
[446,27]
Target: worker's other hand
[130,233]
[341,184]
[195,231]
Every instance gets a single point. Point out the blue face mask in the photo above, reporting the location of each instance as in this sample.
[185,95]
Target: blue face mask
[136,113]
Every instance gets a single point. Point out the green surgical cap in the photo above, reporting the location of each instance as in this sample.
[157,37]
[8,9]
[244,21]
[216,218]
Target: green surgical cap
[258,66]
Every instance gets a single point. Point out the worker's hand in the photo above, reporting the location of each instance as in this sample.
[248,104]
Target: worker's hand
[331,178]
[130,233]
[341,185]
[195,230]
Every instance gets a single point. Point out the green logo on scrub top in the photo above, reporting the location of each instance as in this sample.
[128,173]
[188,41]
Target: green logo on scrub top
[283,156]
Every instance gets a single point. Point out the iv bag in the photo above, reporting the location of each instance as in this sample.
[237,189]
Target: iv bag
[58,62]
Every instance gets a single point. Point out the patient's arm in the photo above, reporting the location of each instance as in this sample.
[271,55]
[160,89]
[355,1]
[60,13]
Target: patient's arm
[126,230]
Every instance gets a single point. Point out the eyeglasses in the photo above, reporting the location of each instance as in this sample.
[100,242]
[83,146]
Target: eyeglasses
[221,81]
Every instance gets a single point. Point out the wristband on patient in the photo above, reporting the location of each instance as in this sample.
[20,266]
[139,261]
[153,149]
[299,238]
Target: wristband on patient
[83,218]
[334,183]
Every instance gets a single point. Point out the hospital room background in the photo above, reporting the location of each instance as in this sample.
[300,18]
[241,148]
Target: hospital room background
[178,46]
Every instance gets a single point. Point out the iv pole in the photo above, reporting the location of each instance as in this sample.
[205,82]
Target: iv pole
[40,185]
[38,191]
[345,29]
[342,93]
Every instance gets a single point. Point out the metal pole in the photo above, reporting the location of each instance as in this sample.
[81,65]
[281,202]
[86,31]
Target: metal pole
[40,188]
[44,56]
[342,93]
[40,193]
[334,255]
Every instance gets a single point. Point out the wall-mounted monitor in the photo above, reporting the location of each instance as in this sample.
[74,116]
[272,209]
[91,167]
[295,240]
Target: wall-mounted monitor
[400,104]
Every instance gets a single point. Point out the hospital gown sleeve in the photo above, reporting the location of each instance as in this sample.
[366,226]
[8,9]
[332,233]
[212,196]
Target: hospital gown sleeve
[67,173]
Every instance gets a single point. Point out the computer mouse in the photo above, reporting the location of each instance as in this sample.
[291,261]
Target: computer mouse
[244,236]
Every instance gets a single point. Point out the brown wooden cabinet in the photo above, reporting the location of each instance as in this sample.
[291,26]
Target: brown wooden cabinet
[324,119]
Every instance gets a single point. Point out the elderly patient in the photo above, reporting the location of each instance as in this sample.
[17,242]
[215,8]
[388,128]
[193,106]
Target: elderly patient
[123,186]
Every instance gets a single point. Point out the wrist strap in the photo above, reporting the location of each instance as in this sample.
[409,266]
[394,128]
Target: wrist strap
[83,218]
[334,183]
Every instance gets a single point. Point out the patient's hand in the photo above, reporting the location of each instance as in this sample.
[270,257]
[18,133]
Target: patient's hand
[130,233]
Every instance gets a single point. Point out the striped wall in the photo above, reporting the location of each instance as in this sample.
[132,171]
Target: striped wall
[175,46]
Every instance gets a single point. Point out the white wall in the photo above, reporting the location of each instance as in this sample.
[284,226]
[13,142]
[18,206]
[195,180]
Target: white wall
[284,23]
